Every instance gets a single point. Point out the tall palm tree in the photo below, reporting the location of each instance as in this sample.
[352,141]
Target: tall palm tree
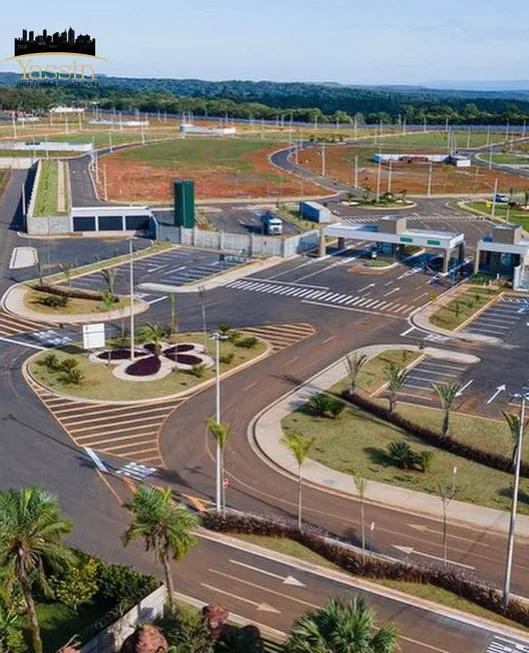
[31,532]
[354,364]
[163,525]
[109,275]
[513,422]
[299,448]
[447,393]
[342,626]
[155,334]
[396,378]
[221,434]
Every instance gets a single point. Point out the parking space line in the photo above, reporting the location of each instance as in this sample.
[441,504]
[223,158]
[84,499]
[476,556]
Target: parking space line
[443,365]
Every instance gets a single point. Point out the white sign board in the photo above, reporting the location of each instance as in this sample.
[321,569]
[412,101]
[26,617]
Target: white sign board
[93,336]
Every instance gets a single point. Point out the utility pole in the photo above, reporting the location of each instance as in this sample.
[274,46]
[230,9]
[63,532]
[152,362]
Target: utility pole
[142,134]
[490,159]
[323,167]
[446,124]
[65,123]
[14,126]
[468,137]
[430,173]
[105,182]
[131,278]
[424,124]
[390,169]
[355,126]
[488,135]
[379,172]
[110,139]
[404,125]
[493,212]
[523,395]
[356,170]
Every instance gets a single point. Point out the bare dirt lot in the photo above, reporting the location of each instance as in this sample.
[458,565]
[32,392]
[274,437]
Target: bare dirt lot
[411,177]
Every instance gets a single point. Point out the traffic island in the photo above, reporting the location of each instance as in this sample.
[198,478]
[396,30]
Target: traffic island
[176,368]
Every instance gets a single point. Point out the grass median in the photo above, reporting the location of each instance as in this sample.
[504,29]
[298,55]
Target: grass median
[463,307]
[99,382]
[33,300]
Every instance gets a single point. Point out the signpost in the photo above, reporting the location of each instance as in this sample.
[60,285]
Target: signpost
[94,335]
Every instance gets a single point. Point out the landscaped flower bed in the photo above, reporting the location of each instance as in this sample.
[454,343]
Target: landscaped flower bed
[178,349]
[118,354]
[144,367]
[186,359]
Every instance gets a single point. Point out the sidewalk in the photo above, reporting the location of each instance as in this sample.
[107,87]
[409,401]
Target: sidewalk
[13,302]
[265,433]
[218,280]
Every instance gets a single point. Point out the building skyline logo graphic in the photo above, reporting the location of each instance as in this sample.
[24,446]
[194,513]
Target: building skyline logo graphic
[58,43]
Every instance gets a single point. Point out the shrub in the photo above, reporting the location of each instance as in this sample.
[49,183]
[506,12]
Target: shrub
[336,407]
[72,377]
[424,460]
[198,370]
[227,358]
[79,585]
[247,343]
[401,454]
[54,301]
[321,404]
[144,366]
[51,362]
[69,292]
[68,364]
[187,631]
[234,336]
[124,586]
[224,328]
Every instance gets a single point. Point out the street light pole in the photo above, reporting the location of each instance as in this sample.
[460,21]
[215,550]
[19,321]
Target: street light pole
[218,486]
[131,274]
[512,525]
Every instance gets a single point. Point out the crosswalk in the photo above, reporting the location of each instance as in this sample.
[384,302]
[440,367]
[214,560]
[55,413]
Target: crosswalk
[423,217]
[11,325]
[125,431]
[281,336]
[318,296]
[507,645]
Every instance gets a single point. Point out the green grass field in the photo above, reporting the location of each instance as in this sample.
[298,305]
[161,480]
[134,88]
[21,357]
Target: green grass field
[461,308]
[440,139]
[226,153]
[520,217]
[46,199]
[505,159]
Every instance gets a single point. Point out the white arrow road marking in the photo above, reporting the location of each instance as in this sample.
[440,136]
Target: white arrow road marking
[160,299]
[461,390]
[261,607]
[408,550]
[371,285]
[391,292]
[499,389]
[425,529]
[405,333]
[287,580]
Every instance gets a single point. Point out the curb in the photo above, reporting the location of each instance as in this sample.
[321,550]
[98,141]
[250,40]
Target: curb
[186,394]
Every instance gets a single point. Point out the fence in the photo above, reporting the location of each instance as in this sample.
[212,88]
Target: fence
[247,244]
[111,639]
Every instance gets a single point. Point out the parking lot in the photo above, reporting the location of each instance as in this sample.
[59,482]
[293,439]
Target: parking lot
[498,320]
[232,218]
[175,267]
[421,378]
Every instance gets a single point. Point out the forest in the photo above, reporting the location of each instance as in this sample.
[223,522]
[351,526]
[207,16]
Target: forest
[266,100]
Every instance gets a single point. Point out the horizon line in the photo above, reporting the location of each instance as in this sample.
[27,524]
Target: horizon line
[55,54]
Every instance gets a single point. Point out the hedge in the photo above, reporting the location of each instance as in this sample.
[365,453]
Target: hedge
[495,461]
[461,583]
[76,293]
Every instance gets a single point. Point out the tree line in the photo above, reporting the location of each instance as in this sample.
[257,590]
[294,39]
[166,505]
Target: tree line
[268,100]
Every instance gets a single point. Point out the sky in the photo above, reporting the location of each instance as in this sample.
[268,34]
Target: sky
[346,41]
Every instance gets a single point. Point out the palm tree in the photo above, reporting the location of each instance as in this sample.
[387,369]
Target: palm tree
[299,448]
[354,364]
[396,378]
[447,392]
[109,275]
[163,525]
[221,434]
[66,269]
[155,334]
[513,422]
[31,532]
[342,626]
[361,487]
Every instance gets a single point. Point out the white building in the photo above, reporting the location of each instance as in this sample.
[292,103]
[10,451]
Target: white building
[188,128]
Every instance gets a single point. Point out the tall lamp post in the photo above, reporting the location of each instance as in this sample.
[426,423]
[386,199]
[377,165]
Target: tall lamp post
[524,396]
[131,275]
[447,493]
[217,337]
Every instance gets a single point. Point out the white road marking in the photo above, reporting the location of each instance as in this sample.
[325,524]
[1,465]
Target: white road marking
[391,292]
[371,285]
[155,301]
[22,344]
[262,607]
[408,550]
[500,388]
[286,580]
[461,390]
[405,333]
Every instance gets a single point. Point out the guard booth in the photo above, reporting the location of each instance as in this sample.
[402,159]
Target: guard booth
[392,235]
[503,251]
